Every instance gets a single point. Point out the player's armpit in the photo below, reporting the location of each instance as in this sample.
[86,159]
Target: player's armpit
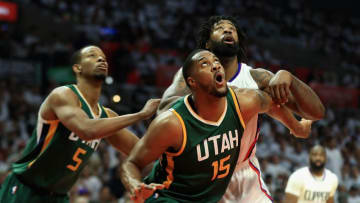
[290,198]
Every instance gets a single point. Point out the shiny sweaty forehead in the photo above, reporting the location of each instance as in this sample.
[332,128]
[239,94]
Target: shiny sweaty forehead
[203,55]
[91,49]
[223,22]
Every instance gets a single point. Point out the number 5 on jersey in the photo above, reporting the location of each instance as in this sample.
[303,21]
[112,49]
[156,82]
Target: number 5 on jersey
[77,160]
[218,168]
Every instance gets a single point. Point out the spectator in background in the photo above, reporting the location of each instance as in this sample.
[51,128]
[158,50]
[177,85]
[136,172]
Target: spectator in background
[335,160]
[314,183]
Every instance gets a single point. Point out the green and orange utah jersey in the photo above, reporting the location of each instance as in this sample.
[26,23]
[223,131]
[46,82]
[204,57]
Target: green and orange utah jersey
[54,156]
[201,170]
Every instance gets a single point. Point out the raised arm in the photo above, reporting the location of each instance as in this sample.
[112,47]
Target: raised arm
[164,132]
[176,90]
[304,98]
[286,88]
[254,101]
[65,105]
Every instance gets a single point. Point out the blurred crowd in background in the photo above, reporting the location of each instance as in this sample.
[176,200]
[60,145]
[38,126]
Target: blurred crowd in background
[146,41]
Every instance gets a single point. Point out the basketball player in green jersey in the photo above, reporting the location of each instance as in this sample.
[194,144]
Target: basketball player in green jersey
[70,125]
[197,140]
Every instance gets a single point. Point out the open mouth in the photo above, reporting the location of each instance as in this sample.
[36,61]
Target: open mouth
[102,66]
[229,40]
[219,78]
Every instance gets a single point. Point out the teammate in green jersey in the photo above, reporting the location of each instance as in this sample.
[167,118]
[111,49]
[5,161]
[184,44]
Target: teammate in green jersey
[70,125]
[198,140]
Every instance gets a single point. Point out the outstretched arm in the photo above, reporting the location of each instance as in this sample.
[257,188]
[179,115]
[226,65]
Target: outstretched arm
[65,106]
[164,132]
[123,140]
[253,102]
[177,89]
[289,90]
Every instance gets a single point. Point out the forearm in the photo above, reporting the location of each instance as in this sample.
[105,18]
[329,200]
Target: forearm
[286,117]
[307,102]
[105,127]
[130,175]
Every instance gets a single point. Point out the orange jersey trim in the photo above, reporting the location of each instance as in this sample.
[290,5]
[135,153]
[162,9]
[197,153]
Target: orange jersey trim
[184,135]
[237,107]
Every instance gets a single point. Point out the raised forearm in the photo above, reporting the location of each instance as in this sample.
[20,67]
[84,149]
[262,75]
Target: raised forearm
[286,117]
[306,100]
[104,127]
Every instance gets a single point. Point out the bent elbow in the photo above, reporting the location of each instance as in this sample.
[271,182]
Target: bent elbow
[320,113]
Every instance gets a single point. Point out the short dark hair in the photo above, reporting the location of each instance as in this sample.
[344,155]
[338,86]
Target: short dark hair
[76,57]
[207,26]
[188,64]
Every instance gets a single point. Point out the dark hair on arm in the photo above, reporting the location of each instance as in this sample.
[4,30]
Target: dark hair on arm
[207,26]
[188,64]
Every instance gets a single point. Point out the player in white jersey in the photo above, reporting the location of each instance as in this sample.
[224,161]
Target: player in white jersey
[222,36]
[313,184]
[247,184]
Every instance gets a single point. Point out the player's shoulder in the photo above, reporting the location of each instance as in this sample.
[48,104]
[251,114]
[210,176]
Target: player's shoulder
[64,90]
[170,121]
[330,175]
[246,66]
[301,172]
[62,94]
[169,118]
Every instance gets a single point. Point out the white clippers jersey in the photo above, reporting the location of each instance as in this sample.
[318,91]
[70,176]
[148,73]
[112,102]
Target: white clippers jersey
[243,79]
[309,189]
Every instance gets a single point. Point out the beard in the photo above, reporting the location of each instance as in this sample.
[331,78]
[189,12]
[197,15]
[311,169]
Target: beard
[221,49]
[100,77]
[316,167]
[215,92]
[218,93]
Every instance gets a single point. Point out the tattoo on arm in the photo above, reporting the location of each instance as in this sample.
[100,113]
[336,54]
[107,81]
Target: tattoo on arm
[265,100]
[262,77]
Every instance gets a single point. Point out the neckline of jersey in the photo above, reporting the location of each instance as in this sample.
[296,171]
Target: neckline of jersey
[86,102]
[196,116]
[237,73]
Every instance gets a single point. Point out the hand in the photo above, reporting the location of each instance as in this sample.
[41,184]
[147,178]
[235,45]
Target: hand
[150,108]
[143,191]
[279,87]
[305,129]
